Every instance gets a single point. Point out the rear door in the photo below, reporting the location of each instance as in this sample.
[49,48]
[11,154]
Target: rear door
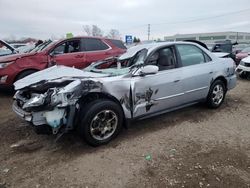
[95,50]
[68,53]
[197,71]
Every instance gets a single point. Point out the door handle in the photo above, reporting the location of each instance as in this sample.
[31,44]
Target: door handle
[79,56]
[177,81]
[211,72]
[108,53]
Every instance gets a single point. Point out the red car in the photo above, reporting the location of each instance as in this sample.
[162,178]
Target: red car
[76,52]
[241,55]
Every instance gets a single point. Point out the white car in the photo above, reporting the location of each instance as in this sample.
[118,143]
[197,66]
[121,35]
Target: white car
[243,69]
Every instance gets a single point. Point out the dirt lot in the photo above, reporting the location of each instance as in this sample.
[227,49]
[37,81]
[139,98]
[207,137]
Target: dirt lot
[193,147]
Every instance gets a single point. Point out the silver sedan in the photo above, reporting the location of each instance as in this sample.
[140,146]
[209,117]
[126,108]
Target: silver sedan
[147,80]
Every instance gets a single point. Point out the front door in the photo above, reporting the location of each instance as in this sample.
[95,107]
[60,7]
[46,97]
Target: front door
[161,91]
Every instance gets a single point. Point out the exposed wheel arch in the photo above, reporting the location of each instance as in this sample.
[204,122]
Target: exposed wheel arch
[222,78]
[101,120]
[98,95]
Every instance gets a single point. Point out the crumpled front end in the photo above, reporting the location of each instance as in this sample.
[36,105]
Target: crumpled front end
[52,103]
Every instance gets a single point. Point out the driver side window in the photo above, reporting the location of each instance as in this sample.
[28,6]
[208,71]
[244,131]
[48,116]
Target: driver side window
[59,49]
[67,47]
[163,58]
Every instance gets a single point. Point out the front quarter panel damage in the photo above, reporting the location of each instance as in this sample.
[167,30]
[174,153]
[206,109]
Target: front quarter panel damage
[57,106]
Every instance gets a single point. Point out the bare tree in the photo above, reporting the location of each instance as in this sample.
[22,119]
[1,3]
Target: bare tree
[114,34]
[96,31]
[93,30]
[87,29]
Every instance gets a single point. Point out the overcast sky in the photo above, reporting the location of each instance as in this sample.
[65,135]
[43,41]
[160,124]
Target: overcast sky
[46,18]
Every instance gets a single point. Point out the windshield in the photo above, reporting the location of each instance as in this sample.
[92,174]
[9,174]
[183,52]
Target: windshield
[42,46]
[246,50]
[117,67]
[26,49]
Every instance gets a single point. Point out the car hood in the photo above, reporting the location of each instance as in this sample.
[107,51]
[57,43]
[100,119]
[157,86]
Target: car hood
[54,73]
[14,57]
[246,59]
[241,55]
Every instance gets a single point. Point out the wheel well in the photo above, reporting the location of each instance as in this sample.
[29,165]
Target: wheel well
[35,70]
[96,95]
[222,78]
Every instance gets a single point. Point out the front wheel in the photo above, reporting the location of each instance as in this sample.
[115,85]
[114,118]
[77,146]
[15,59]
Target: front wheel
[216,94]
[101,122]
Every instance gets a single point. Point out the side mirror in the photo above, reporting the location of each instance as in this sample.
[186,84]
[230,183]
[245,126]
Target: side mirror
[149,69]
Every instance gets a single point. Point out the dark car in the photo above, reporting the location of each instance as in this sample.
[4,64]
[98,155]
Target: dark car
[225,47]
[78,52]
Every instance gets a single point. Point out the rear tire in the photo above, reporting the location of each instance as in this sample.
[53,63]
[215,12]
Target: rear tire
[216,94]
[101,122]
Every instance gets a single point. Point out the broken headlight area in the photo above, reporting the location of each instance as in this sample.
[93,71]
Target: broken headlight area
[33,100]
[55,106]
[52,107]
[29,101]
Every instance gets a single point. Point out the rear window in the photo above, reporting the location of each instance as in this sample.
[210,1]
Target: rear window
[91,44]
[118,43]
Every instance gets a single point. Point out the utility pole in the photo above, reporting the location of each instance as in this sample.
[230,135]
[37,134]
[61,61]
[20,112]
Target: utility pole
[148,31]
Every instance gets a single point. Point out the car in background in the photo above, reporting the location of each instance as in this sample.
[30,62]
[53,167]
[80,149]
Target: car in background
[223,48]
[239,47]
[6,49]
[18,45]
[26,49]
[243,69]
[148,80]
[244,53]
[78,52]
[10,49]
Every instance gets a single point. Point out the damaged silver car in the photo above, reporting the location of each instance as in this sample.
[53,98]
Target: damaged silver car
[147,80]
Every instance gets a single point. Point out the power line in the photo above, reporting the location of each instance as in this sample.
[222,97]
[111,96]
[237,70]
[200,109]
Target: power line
[206,18]
[192,20]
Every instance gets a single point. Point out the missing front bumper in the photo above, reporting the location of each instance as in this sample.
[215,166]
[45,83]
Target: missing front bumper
[21,113]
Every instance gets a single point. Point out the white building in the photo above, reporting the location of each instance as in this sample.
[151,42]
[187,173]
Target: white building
[240,37]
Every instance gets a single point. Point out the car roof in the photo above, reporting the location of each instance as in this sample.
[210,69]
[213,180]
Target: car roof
[82,37]
[150,47]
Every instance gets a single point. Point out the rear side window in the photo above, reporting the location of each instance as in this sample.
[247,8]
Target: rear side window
[118,43]
[192,55]
[90,44]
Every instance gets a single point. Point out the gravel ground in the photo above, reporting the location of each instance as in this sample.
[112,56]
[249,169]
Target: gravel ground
[193,147]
